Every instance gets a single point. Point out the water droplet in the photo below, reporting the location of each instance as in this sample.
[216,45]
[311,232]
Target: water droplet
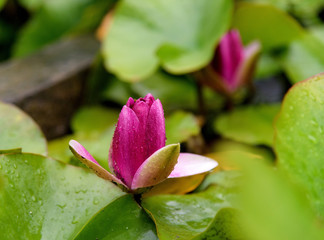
[15,166]
[11,185]
[126,228]
[314,123]
[30,213]
[95,201]
[61,206]
[312,138]
[74,220]
[33,198]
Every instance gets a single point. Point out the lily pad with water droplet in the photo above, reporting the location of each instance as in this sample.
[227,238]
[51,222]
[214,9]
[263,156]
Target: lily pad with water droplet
[44,199]
[299,138]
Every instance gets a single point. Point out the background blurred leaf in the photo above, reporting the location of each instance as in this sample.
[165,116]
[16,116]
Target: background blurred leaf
[55,19]
[180,126]
[122,219]
[249,124]
[271,207]
[2,3]
[273,27]
[303,58]
[306,11]
[299,138]
[18,130]
[176,92]
[93,119]
[45,199]
[181,35]
[32,5]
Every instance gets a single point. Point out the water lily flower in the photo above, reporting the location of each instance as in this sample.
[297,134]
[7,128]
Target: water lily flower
[233,64]
[138,156]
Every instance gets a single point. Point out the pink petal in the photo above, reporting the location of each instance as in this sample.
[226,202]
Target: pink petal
[192,164]
[130,102]
[246,68]
[155,129]
[157,167]
[80,150]
[125,153]
[85,157]
[229,55]
[149,99]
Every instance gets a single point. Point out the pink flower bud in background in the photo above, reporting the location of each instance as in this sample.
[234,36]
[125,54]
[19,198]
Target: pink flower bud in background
[233,64]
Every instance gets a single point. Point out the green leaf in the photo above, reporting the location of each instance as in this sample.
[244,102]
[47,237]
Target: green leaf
[299,138]
[305,11]
[93,119]
[186,216]
[53,20]
[2,3]
[272,207]
[180,126]
[167,88]
[179,35]
[19,131]
[122,219]
[225,226]
[45,199]
[303,58]
[250,124]
[224,151]
[271,26]
[31,5]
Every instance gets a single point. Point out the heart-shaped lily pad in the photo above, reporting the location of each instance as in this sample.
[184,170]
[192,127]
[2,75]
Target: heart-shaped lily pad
[179,35]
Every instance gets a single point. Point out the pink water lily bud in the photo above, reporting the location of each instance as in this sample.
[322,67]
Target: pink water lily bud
[233,64]
[138,157]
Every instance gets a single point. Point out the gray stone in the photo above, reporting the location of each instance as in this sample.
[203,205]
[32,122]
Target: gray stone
[49,84]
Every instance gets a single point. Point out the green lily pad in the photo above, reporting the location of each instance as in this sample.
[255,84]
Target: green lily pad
[179,35]
[122,219]
[19,131]
[299,137]
[250,124]
[272,207]
[225,226]
[303,58]
[180,126]
[186,216]
[271,26]
[44,199]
